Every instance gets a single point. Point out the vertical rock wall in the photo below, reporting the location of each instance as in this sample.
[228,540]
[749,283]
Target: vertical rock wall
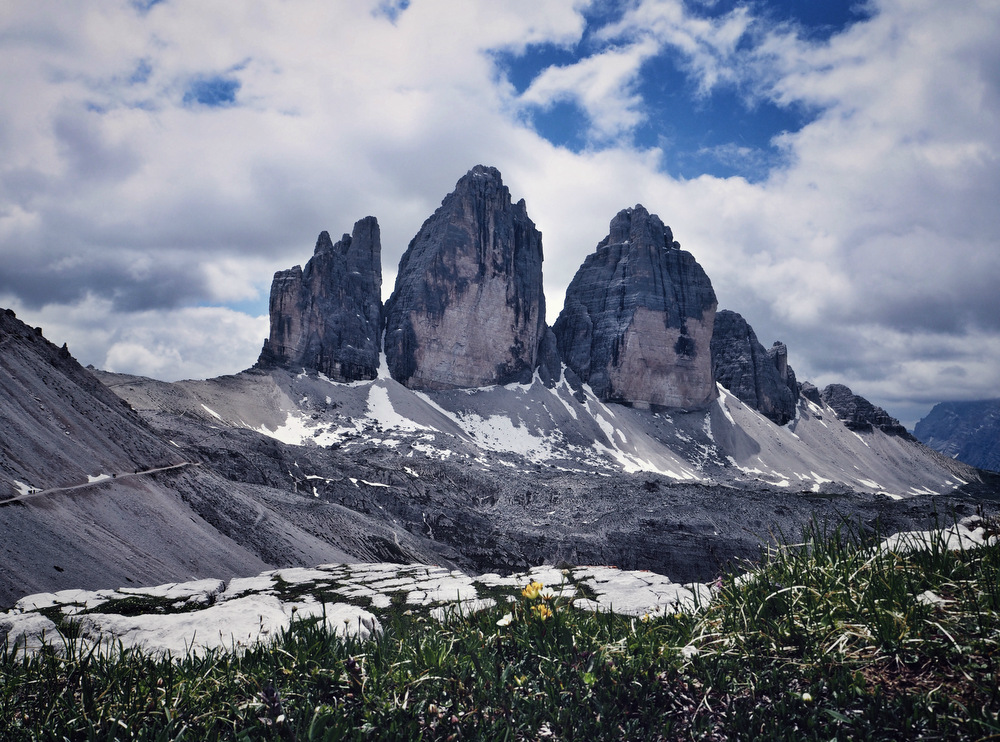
[468,309]
[328,317]
[638,318]
[757,377]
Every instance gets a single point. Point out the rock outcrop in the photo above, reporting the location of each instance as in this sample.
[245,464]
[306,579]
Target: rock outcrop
[759,378]
[468,309]
[638,318]
[857,413]
[967,431]
[328,317]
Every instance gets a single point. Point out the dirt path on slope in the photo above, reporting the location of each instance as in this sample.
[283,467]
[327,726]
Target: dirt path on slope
[116,477]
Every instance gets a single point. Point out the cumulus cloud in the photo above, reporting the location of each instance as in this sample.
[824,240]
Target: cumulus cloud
[602,85]
[162,160]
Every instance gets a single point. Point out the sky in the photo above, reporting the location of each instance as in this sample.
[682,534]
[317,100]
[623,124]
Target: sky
[833,165]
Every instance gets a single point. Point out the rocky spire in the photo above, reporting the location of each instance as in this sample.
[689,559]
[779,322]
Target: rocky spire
[467,309]
[328,317]
[638,318]
[757,377]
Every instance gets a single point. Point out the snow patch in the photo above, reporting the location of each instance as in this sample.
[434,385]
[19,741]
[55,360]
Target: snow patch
[721,401]
[211,412]
[380,409]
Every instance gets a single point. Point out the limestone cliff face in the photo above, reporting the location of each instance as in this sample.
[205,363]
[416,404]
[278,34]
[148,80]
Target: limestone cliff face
[638,318]
[328,317]
[468,309]
[757,377]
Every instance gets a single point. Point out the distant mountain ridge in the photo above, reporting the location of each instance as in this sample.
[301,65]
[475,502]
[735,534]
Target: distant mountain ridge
[966,431]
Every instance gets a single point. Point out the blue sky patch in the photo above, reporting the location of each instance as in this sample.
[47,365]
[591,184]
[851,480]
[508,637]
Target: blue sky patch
[143,6]
[143,69]
[724,132]
[391,8]
[216,91]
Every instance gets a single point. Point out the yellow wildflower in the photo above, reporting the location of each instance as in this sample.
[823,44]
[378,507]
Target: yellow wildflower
[532,591]
[542,611]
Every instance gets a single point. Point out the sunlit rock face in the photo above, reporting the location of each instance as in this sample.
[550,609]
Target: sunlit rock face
[758,377]
[328,317]
[468,308]
[638,318]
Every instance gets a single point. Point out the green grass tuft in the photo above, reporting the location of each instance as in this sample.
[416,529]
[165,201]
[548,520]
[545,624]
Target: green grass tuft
[829,639]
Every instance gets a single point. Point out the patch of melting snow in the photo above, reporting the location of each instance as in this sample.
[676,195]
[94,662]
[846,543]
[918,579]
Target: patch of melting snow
[632,464]
[22,488]
[721,401]
[92,479]
[380,409]
[820,479]
[870,483]
[499,433]
[860,439]
[555,392]
[211,412]
[357,482]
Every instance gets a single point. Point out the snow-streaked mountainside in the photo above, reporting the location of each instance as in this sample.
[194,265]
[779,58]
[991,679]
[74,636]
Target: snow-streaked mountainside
[227,477]
[521,426]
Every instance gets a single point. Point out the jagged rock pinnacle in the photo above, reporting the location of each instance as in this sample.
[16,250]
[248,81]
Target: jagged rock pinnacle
[468,308]
[328,317]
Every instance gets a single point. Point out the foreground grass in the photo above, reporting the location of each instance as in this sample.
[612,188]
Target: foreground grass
[830,640]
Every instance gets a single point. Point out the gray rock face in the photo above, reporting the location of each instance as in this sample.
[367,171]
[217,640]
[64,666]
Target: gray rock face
[967,431]
[468,309]
[857,413]
[637,323]
[759,378]
[808,390]
[328,317]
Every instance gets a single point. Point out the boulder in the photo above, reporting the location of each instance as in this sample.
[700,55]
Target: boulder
[328,317]
[638,318]
[468,309]
[761,379]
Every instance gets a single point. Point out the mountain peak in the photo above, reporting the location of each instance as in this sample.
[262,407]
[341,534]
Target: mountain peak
[328,317]
[637,323]
[468,309]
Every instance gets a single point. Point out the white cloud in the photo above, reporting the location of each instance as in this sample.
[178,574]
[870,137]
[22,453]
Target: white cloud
[124,211]
[191,342]
[603,85]
[707,46]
